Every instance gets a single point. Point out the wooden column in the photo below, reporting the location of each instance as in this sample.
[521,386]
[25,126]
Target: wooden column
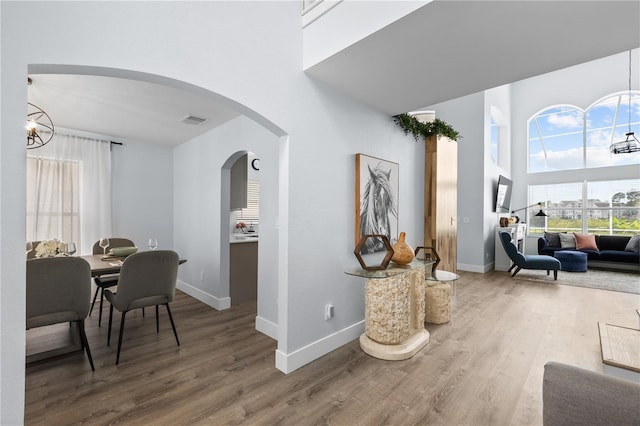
[441,199]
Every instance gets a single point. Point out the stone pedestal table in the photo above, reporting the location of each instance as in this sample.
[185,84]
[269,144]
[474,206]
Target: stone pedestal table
[395,311]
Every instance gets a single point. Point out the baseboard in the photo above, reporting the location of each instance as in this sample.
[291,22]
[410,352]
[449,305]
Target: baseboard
[296,359]
[263,325]
[267,327]
[475,268]
[219,304]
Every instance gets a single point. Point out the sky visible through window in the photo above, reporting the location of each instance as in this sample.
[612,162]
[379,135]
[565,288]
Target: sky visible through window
[494,141]
[566,137]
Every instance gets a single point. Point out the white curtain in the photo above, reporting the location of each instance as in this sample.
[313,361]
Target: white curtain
[69,191]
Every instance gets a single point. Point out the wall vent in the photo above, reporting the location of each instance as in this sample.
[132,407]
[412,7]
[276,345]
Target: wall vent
[193,120]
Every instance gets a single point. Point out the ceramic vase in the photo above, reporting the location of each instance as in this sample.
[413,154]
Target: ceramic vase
[402,252]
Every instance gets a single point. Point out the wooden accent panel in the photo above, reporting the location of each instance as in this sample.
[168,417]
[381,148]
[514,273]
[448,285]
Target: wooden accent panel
[243,273]
[441,199]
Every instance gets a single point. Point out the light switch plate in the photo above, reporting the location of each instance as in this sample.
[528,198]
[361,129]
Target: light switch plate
[328,312]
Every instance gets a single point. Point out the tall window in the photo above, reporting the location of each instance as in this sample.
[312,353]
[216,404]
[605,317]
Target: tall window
[603,208]
[495,134]
[53,199]
[69,191]
[566,137]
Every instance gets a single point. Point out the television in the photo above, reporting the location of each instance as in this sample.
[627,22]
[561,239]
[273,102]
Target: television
[503,195]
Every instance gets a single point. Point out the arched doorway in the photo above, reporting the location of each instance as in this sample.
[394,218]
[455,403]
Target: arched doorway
[205,277]
[243,220]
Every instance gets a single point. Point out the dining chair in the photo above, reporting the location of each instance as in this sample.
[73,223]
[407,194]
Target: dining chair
[106,281]
[147,278]
[58,291]
[32,253]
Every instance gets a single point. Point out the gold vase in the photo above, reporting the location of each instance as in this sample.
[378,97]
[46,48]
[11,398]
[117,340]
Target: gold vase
[402,252]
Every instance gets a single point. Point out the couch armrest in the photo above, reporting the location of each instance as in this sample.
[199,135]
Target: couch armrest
[542,243]
[574,396]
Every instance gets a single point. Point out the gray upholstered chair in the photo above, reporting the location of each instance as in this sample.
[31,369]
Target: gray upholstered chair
[106,281]
[58,291]
[573,396]
[528,261]
[32,253]
[147,278]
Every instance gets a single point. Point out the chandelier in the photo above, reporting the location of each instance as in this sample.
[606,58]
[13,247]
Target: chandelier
[39,126]
[631,143]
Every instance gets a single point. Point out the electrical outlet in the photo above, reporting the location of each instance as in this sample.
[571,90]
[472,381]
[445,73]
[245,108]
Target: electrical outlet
[329,312]
[201,275]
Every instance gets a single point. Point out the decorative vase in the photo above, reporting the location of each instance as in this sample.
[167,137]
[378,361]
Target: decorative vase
[402,252]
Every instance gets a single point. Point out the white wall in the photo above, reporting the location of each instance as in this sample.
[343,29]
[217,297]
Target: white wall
[142,193]
[199,236]
[250,53]
[321,226]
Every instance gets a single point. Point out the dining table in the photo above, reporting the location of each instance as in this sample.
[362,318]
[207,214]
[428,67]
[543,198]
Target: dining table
[106,264]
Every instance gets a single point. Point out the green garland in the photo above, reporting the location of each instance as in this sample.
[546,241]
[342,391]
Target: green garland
[421,130]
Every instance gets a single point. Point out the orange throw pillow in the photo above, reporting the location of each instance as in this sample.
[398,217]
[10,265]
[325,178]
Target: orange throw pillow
[586,242]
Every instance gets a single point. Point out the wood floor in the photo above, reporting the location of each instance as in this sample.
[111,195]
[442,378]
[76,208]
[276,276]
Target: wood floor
[483,368]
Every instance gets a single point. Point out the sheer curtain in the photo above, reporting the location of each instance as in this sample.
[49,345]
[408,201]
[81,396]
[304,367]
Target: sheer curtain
[69,191]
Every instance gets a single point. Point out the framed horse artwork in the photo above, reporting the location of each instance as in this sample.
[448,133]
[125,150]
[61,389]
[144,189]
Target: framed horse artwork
[377,189]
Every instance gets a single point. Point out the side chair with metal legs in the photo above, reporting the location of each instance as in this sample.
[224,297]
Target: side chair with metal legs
[58,291]
[146,279]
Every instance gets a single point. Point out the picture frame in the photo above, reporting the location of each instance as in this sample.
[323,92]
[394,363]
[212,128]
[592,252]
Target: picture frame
[376,201]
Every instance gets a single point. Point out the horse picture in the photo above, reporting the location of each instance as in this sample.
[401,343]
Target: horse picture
[377,201]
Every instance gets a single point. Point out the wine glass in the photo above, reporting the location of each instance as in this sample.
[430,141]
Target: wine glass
[70,249]
[29,247]
[104,243]
[153,243]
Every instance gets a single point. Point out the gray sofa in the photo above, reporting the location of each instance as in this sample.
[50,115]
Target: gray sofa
[574,396]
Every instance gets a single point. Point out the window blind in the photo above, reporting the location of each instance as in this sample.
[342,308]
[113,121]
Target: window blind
[252,213]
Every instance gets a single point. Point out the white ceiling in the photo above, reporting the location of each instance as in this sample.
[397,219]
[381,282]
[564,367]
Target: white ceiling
[442,51]
[122,108]
[449,48]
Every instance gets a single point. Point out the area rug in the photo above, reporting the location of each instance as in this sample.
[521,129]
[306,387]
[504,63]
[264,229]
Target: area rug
[626,282]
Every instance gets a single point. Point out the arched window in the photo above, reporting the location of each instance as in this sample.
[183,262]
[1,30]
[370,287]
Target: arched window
[606,122]
[565,137]
[556,139]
